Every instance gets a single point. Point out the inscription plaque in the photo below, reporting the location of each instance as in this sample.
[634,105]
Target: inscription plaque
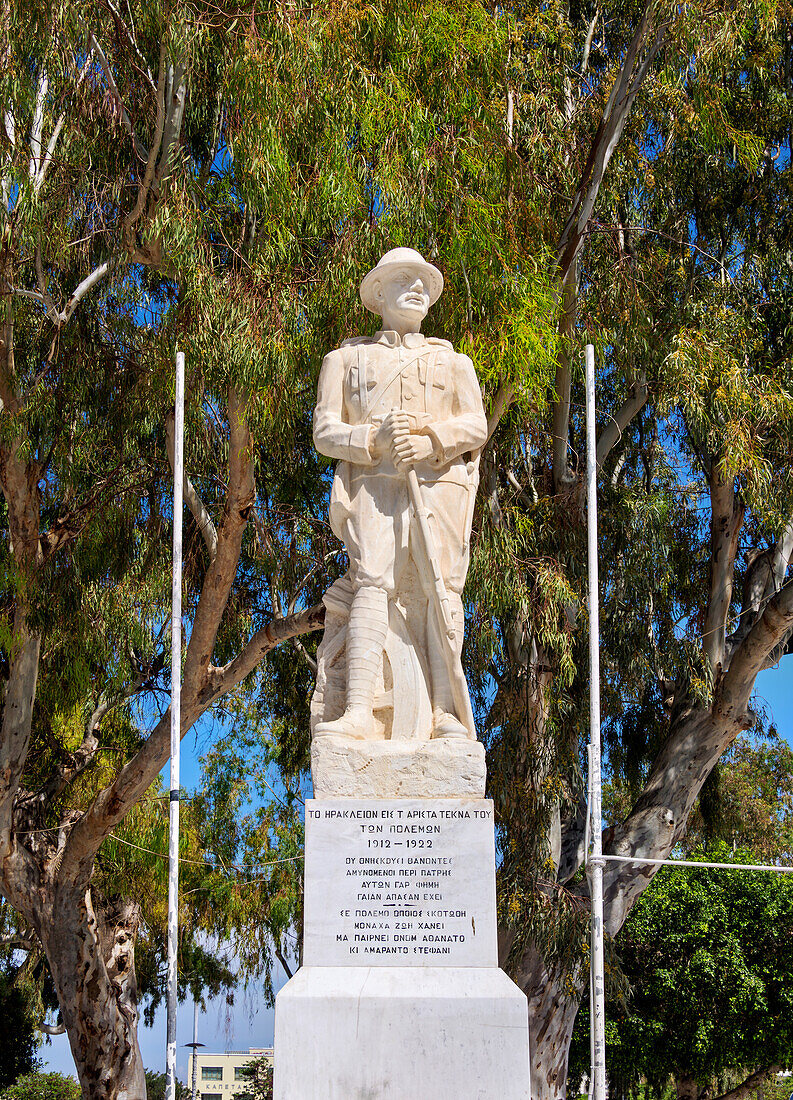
[400,883]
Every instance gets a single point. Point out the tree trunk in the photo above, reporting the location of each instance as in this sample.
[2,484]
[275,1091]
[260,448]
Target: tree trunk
[686,1088]
[552,1013]
[92,961]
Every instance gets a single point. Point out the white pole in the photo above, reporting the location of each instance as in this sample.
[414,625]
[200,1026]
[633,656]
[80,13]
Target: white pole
[194,1088]
[176,668]
[594,857]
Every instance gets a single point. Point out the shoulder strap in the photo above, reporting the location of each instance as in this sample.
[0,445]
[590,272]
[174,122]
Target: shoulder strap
[429,378]
[369,405]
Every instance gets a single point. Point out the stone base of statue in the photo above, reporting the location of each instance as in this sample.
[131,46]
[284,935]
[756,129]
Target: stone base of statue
[401,1033]
[400,996]
[451,767]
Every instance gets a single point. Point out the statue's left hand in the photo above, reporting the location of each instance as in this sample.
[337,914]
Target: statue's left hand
[406,450]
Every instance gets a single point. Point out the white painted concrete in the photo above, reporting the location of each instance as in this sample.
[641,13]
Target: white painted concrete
[399,1033]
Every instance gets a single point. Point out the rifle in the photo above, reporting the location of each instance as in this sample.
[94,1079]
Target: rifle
[442,604]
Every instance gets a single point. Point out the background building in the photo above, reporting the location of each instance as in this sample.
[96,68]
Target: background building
[222,1074]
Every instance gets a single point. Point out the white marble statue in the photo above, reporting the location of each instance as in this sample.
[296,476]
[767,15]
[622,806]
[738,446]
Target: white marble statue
[402,414]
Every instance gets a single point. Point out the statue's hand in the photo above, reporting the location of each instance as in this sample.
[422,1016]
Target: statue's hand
[396,425]
[409,449]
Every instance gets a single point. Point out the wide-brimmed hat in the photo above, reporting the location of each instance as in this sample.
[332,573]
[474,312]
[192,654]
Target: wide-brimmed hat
[402,257]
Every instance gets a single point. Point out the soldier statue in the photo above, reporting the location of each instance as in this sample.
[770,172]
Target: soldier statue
[402,414]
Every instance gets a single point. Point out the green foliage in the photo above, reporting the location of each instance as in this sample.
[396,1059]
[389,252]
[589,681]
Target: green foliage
[18,1033]
[709,960]
[43,1086]
[155,1087]
[259,1073]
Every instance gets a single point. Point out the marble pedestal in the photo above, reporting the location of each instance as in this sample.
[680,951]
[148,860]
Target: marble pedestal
[401,1033]
[400,997]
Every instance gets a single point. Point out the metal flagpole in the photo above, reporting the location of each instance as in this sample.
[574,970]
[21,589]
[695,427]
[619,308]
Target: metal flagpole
[194,1045]
[595,861]
[176,676]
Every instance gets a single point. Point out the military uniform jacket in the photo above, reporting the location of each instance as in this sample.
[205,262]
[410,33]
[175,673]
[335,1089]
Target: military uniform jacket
[366,377]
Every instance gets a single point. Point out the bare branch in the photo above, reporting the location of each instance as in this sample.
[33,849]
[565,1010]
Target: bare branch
[649,39]
[191,497]
[46,160]
[113,803]
[148,176]
[726,521]
[177,87]
[562,476]
[140,149]
[633,404]
[38,124]
[52,1029]
[751,1085]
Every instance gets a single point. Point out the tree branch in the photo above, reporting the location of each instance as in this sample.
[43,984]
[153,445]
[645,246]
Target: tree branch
[750,1085]
[177,85]
[505,395]
[79,760]
[148,176]
[614,429]
[61,317]
[46,160]
[649,38]
[726,521]
[279,954]
[273,634]
[38,124]
[140,149]
[130,36]
[562,476]
[751,656]
[223,568]
[113,803]
[625,88]
[52,1029]
[191,497]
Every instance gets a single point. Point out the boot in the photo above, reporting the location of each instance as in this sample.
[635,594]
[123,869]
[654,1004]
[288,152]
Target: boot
[445,722]
[366,633]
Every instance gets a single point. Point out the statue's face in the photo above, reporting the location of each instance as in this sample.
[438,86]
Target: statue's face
[401,295]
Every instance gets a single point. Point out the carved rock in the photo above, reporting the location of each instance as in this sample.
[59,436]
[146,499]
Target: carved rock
[451,768]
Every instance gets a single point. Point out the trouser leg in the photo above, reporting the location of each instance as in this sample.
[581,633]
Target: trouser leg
[446,721]
[366,634]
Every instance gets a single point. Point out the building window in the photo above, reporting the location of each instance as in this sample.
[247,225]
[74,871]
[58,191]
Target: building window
[212,1073]
[240,1073]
